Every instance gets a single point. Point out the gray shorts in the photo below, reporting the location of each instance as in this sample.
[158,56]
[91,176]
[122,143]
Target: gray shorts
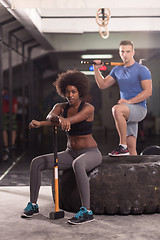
[136,114]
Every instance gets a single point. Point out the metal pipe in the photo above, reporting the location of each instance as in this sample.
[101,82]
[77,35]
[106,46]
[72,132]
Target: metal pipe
[13,49]
[23,97]
[31,93]
[10,92]
[30,83]
[1,98]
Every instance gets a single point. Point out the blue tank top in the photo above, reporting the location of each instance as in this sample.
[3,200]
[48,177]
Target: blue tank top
[80,128]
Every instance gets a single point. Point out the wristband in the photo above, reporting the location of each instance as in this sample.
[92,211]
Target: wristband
[59,120]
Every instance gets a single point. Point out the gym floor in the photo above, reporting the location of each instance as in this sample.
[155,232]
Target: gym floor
[14,191]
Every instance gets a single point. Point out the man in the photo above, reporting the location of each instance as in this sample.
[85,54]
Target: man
[135,85]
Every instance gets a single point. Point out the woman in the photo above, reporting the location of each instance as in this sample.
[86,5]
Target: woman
[76,118]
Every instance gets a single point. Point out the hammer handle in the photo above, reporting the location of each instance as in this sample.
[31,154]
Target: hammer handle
[103,62]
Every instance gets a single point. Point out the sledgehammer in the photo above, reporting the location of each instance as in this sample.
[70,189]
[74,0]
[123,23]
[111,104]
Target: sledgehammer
[57,214]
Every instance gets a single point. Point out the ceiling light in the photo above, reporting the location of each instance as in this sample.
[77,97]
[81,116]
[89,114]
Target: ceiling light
[88,72]
[97,56]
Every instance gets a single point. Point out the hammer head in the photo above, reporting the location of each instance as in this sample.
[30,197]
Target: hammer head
[56,215]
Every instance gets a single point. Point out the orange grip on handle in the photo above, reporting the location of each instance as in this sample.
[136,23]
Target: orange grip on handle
[56,189]
[116,63]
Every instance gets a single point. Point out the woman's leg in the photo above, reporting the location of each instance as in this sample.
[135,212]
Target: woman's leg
[84,163]
[45,162]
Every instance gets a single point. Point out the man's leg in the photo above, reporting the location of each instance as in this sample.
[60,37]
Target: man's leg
[131,144]
[5,138]
[137,114]
[121,113]
[13,137]
[5,142]
[5,130]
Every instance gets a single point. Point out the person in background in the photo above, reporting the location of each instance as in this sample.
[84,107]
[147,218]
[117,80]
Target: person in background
[135,85]
[22,109]
[6,122]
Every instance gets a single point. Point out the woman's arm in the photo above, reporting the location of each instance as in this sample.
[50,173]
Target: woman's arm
[87,113]
[52,118]
[55,113]
[37,124]
[55,117]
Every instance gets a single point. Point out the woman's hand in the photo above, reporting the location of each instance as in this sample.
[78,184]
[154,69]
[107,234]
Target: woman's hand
[34,124]
[64,123]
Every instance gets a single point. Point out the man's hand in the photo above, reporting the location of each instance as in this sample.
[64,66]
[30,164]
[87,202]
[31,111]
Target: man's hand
[120,101]
[98,64]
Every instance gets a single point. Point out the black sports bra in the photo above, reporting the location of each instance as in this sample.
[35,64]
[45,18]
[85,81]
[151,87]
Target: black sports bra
[80,128]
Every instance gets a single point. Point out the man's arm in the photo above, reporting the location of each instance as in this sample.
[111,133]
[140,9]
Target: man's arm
[146,93]
[100,80]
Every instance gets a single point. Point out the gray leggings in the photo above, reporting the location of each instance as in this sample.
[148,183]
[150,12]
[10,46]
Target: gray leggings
[82,161]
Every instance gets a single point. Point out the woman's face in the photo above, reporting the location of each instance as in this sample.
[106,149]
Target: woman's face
[72,94]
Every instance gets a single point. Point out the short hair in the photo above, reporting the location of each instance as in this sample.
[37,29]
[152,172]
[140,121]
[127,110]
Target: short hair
[73,78]
[126,42]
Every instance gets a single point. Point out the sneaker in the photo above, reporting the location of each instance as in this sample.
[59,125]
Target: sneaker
[82,216]
[13,147]
[30,210]
[119,151]
[6,149]
[6,154]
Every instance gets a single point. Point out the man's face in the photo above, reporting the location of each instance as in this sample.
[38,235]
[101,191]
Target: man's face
[126,53]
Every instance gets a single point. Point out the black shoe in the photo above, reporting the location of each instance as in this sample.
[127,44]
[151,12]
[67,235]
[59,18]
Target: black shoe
[6,154]
[13,147]
[30,210]
[6,149]
[83,216]
[119,151]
